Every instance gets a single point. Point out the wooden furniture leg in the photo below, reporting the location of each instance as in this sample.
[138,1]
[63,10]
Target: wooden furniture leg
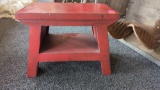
[44,32]
[34,46]
[102,38]
[45,29]
[94,31]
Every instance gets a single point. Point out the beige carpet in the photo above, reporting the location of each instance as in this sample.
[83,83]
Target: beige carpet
[8,8]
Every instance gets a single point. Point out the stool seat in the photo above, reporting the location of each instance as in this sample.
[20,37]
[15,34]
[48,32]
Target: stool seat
[45,47]
[69,11]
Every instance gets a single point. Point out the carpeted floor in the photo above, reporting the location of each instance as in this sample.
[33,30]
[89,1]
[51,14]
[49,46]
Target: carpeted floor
[130,71]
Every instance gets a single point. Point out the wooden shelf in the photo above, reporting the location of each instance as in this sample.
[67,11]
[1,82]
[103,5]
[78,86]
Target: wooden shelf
[69,43]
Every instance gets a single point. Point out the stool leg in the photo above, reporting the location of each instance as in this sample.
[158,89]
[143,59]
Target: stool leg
[102,38]
[94,31]
[44,32]
[105,65]
[45,29]
[34,46]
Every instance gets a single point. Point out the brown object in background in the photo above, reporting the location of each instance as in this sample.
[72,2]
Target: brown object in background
[152,30]
[119,30]
[147,28]
[56,0]
[147,39]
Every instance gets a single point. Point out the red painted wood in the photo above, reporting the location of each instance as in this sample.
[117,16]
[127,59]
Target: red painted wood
[103,43]
[69,57]
[44,33]
[70,43]
[66,22]
[44,47]
[69,11]
[34,46]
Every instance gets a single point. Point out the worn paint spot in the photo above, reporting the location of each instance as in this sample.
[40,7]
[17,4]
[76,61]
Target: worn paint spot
[111,11]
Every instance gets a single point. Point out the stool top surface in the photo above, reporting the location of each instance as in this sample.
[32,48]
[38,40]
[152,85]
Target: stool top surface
[76,11]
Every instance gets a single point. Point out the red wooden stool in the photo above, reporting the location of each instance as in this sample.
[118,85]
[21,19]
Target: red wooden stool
[45,47]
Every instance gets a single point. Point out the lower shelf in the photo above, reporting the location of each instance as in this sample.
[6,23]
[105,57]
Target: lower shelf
[69,43]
